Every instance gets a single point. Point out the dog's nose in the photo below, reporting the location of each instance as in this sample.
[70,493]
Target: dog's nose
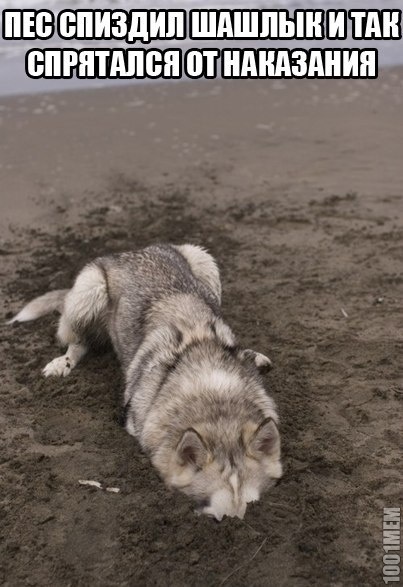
[207,511]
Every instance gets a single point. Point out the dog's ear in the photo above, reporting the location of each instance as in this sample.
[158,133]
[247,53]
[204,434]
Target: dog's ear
[262,362]
[191,450]
[266,439]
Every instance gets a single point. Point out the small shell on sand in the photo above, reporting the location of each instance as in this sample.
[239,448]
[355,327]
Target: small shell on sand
[98,485]
[90,483]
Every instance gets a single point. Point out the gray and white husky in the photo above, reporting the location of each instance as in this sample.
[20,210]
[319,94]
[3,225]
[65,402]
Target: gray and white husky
[194,400]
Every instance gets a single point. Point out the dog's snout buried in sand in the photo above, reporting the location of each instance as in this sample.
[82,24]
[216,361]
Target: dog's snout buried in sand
[193,398]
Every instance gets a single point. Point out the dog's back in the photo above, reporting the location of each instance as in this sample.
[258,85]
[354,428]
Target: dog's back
[139,281]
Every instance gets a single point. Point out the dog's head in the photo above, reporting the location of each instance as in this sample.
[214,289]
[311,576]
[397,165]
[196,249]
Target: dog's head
[224,467]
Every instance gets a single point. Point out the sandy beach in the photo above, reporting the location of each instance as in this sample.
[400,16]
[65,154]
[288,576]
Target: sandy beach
[296,188]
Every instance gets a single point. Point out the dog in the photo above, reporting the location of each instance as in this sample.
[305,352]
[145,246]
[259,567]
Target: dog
[193,398]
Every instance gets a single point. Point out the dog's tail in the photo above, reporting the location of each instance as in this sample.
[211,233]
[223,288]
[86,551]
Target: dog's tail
[41,306]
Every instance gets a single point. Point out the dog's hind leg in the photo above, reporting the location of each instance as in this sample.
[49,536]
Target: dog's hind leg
[85,305]
[62,366]
[203,266]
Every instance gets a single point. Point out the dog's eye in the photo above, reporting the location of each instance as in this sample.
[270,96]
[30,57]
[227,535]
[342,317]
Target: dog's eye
[203,503]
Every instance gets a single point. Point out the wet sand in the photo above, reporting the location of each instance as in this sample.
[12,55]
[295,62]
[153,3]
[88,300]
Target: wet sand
[296,187]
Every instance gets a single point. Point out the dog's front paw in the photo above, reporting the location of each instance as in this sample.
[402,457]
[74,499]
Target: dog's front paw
[59,367]
[262,362]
